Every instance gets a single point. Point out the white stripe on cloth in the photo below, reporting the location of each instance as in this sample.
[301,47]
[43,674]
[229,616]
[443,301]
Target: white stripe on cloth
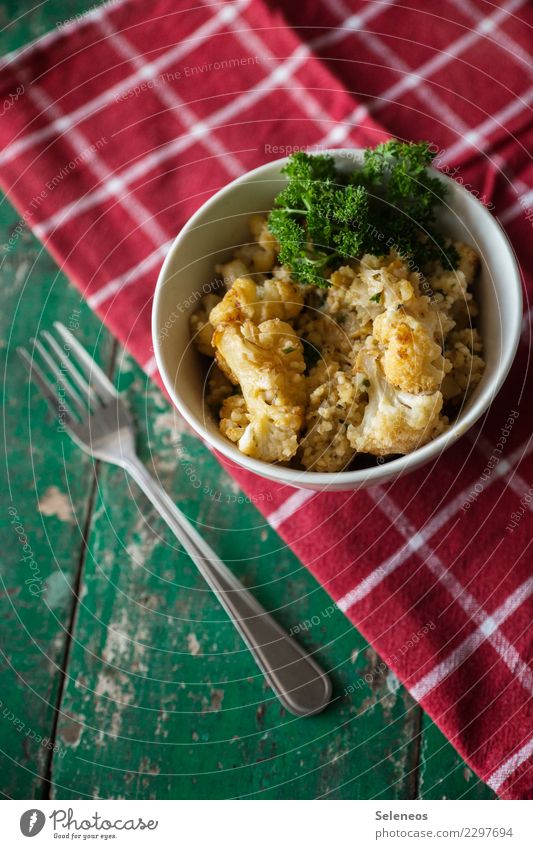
[463,651]
[510,766]
[520,187]
[466,601]
[150,366]
[151,160]
[351,23]
[169,98]
[523,204]
[502,38]
[514,480]
[80,145]
[293,503]
[498,119]
[198,130]
[421,537]
[304,99]
[430,98]
[90,107]
[60,31]
[418,76]
[514,181]
[112,287]
[387,567]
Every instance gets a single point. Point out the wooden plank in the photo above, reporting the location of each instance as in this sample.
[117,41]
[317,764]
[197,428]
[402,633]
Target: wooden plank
[443,774]
[162,700]
[150,641]
[23,21]
[34,626]
[46,505]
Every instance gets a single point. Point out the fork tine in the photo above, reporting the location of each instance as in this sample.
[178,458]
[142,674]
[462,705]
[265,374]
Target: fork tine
[58,406]
[79,380]
[105,388]
[60,378]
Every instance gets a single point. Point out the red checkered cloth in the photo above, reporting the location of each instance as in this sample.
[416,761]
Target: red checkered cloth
[118,126]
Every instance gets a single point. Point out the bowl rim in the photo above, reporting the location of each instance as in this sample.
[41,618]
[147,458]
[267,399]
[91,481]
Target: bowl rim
[372,474]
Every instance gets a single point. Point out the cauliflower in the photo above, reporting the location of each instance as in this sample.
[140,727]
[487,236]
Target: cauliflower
[412,360]
[463,348]
[231,270]
[357,298]
[261,233]
[359,294]
[261,255]
[394,422]
[390,278]
[201,328]
[258,302]
[385,346]
[218,387]
[234,418]
[335,401]
[267,361]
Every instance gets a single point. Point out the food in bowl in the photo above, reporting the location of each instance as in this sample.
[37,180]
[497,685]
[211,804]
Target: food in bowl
[345,330]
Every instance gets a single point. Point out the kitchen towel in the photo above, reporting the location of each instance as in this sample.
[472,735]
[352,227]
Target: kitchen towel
[116,126]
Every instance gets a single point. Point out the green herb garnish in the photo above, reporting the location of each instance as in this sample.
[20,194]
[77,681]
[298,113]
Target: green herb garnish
[376,298]
[288,350]
[324,217]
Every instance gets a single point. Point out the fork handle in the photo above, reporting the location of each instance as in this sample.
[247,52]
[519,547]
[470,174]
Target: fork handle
[298,681]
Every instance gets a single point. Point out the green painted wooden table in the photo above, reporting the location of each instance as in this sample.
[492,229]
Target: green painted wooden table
[120,675]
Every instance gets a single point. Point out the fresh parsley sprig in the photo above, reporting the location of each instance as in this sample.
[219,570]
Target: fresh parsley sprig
[324,218]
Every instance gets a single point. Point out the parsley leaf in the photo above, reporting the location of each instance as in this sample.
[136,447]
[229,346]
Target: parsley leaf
[324,217]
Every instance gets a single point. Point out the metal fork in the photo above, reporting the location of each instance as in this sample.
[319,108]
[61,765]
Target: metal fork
[90,410]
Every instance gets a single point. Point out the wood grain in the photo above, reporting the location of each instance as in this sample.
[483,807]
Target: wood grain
[123,659]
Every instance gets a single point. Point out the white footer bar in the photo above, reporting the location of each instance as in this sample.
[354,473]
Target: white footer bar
[357,824]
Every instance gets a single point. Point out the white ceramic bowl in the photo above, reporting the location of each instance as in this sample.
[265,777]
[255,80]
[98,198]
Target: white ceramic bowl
[221,224]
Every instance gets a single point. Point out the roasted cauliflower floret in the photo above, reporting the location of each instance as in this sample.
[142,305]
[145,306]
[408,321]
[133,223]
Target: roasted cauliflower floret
[371,286]
[389,278]
[234,418]
[258,301]
[350,293]
[463,349]
[394,422]
[260,256]
[261,233]
[218,387]
[201,328]
[385,346]
[335,402]
[412,360]
[231,270]
[267,361]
